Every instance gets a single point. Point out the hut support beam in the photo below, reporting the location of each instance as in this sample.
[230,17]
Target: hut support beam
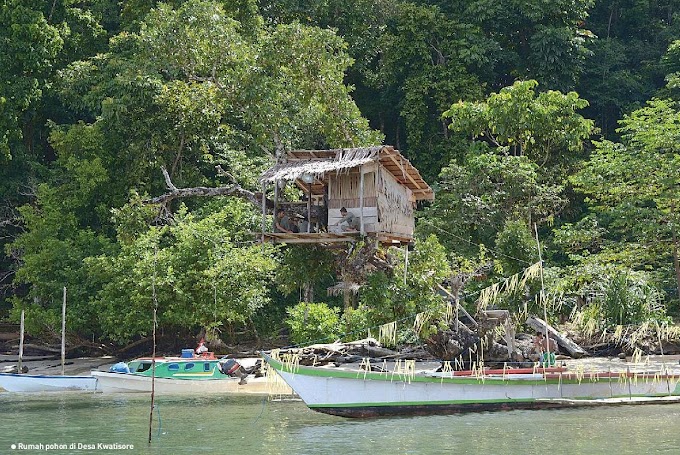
[404,172]
[276,198]
[309,207]
[361,200]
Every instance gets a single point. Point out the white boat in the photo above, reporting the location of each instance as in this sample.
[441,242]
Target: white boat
[130,383]
[404,392]
[199,375]
[13,382]
[21,382]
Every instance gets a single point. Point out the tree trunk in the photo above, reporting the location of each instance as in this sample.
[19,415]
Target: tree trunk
[676,260]
[308,292]
[258,342]
[347,299]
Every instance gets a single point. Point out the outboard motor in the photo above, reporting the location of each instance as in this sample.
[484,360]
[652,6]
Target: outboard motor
[232,368]
[120,367]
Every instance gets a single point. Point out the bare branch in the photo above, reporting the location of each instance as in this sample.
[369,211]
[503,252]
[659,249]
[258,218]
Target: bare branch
[202,191]
[10,218]
[168,181]
[222,173]
[30,190]
[280,149]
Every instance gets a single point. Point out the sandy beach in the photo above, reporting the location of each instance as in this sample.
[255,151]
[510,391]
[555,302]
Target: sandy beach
[52,365]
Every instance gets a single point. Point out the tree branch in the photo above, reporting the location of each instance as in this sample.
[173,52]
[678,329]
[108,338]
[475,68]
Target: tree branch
[202,191]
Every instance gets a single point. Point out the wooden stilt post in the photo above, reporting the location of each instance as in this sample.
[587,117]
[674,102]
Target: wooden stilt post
[276,200]
[361,200]
[264,209]
[405,262]
[309,207]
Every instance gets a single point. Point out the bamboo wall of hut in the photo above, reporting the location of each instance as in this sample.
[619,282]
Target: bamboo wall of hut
[376,184]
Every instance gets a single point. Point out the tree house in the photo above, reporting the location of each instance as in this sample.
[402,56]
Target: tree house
[376,184]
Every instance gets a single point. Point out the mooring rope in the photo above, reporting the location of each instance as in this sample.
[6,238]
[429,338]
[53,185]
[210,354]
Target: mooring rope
[264,403]
[160,422]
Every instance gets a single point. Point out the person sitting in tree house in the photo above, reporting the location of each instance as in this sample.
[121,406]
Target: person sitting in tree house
[351,221]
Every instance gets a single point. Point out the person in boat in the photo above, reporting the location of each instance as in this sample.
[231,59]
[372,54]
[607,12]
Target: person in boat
[282,223]
[201,348]
[351,221]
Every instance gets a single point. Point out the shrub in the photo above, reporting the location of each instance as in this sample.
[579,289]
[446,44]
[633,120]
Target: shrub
[313,322]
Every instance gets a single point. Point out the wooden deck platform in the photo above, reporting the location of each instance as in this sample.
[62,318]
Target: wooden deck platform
[309,237]
[331,237]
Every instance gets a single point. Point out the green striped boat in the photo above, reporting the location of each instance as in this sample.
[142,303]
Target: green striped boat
[361,393]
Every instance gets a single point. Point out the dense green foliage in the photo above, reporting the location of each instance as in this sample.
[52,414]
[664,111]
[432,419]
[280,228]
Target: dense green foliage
[313,323]
[551,117]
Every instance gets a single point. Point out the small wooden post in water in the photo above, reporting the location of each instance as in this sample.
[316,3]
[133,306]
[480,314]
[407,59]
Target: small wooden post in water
[155,319]
[153,374]
[21,343]
[63,332]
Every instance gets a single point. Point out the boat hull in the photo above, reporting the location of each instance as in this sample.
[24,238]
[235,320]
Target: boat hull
[12,382]
[368,394]
[414,410]
[132,383]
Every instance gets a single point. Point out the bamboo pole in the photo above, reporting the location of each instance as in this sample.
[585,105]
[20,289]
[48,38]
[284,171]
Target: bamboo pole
[543,299]
[63,332]
[21,343]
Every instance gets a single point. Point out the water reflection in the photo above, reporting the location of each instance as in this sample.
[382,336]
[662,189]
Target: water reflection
[189,425]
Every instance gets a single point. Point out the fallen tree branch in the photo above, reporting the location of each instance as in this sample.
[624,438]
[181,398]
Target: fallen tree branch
[572,348]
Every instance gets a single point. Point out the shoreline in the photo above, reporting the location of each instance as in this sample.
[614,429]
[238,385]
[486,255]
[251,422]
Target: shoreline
[52,366]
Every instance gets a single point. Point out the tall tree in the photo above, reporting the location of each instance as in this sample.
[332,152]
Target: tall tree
[633,187]
[536,39]
[476,199]
[625,69]
[192,89]
[546,127]
[520,147]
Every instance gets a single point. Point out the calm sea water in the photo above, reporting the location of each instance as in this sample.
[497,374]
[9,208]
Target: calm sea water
[54,423]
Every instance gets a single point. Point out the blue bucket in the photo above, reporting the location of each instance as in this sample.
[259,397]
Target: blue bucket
[187,353]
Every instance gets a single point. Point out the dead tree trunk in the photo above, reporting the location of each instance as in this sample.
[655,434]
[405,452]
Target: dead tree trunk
[572,348]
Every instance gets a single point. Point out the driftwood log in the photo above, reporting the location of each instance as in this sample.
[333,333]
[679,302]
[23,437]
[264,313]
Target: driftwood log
[451,344]
[353,352]
[572,348]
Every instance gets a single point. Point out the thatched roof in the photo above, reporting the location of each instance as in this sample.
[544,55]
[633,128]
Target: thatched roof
[294,170]
[320,162]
